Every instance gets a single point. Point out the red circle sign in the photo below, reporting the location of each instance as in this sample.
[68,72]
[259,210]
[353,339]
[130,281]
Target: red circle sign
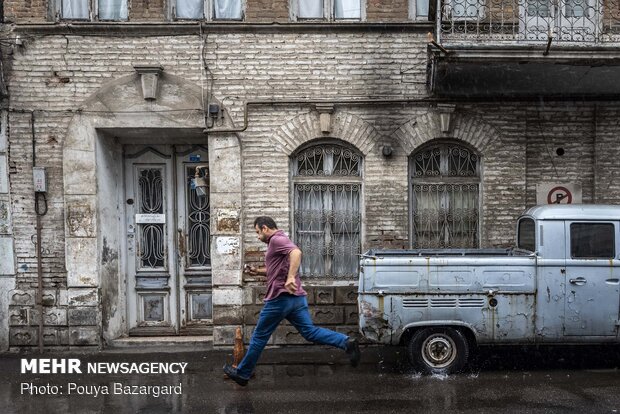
[559,195]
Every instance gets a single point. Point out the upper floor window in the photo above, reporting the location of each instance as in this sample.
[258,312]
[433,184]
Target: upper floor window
[418,9]
[97,9]
[328,9]
[208,9]
[327,185]
[117,10]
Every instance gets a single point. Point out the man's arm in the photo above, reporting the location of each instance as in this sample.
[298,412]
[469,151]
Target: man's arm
[255,271]
[294,262]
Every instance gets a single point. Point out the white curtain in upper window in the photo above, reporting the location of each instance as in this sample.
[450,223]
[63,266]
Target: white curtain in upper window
[75,9]
[190,9]
[227,9]
[310,9]
[347,9]
[421,8]
[113,9]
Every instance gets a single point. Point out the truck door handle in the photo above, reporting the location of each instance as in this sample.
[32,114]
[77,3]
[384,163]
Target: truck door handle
[578,281]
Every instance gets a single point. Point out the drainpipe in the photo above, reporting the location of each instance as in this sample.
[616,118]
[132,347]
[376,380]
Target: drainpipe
[39,214]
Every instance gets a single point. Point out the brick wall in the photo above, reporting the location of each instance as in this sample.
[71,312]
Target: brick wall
[53,75]
[607,154]
[267,11]
[25,11]
[387,11]
[568,128]
[147,10]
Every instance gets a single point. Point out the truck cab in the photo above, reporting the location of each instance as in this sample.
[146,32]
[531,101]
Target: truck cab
[578,266]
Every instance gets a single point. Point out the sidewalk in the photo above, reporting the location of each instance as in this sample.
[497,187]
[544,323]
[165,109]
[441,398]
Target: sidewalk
[313,379]
[199,387]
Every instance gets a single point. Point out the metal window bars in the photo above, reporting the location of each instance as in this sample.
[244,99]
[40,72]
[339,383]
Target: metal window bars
[522,21]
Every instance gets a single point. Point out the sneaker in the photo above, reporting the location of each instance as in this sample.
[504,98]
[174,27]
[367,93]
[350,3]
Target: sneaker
[232,374]
[353,351]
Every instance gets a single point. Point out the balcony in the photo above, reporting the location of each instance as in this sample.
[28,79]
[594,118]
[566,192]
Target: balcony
[529,21]
[526,49]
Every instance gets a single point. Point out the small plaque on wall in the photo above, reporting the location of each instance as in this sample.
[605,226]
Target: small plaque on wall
[150,218]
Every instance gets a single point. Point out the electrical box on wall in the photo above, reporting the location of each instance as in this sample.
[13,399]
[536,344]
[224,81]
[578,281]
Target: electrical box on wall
[39,176]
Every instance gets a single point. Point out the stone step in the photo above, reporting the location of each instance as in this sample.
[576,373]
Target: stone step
[161,343]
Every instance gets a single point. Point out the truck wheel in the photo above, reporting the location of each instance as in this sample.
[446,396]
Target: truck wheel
[438,350]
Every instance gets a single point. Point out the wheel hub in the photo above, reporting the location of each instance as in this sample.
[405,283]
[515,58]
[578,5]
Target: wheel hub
[439,351]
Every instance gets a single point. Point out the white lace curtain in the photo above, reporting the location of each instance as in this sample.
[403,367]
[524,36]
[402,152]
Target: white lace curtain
[107,9]
[421,7]
[311,9]
[343,9]
[347,9]
[222,9]
[227,9]
[190,9]
[112,9]
[75,9]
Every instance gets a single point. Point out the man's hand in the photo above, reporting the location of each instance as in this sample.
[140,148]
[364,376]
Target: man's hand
[291,285]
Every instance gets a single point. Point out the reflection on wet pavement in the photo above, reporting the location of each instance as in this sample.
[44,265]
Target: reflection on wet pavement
[513,379]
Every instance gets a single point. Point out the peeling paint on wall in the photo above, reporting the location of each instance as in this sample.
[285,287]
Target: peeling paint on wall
[228,221]
[80,220]
[227,245]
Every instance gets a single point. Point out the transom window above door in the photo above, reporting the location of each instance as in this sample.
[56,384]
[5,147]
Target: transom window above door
[327,9]
[327,186]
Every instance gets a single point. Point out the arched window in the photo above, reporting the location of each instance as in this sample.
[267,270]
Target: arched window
[327,182]
[445,196]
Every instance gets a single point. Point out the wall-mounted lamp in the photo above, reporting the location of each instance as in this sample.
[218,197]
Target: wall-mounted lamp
[200,181]
[445,116]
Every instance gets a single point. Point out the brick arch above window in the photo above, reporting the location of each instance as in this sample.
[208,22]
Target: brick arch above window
[305,128]
[469,129]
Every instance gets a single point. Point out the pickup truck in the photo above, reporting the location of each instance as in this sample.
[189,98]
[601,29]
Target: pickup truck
[559,285]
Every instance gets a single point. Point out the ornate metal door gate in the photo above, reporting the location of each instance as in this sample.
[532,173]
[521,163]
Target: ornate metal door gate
[167,216]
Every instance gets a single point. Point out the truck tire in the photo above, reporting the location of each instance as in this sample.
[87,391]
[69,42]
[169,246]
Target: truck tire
[438,350]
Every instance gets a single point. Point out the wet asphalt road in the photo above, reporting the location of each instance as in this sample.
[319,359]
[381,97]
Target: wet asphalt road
[318,380]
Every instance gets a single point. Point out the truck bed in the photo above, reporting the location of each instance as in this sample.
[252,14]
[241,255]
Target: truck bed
[446,252]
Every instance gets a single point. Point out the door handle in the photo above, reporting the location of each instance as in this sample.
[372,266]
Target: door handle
[579,281]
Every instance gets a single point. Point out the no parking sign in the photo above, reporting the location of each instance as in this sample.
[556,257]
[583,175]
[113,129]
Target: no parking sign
[558,193]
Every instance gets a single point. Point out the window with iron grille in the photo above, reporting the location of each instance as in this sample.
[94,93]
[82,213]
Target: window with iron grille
[327,183]
[445,192]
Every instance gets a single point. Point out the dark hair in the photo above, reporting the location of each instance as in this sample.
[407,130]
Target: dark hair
[265,221]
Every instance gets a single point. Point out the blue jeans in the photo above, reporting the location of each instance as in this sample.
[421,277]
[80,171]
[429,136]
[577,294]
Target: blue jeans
[295,310]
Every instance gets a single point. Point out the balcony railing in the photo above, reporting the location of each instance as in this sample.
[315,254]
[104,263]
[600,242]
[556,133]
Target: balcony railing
[527,21]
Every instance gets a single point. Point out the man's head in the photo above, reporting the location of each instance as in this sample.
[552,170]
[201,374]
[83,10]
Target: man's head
[265,227]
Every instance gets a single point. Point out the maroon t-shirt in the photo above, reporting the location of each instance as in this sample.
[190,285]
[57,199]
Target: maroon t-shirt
[277,264]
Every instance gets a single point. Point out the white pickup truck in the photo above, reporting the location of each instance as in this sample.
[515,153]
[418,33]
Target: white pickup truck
[560,284]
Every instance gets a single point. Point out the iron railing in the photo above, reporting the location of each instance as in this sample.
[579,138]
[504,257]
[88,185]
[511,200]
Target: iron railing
[524,21]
